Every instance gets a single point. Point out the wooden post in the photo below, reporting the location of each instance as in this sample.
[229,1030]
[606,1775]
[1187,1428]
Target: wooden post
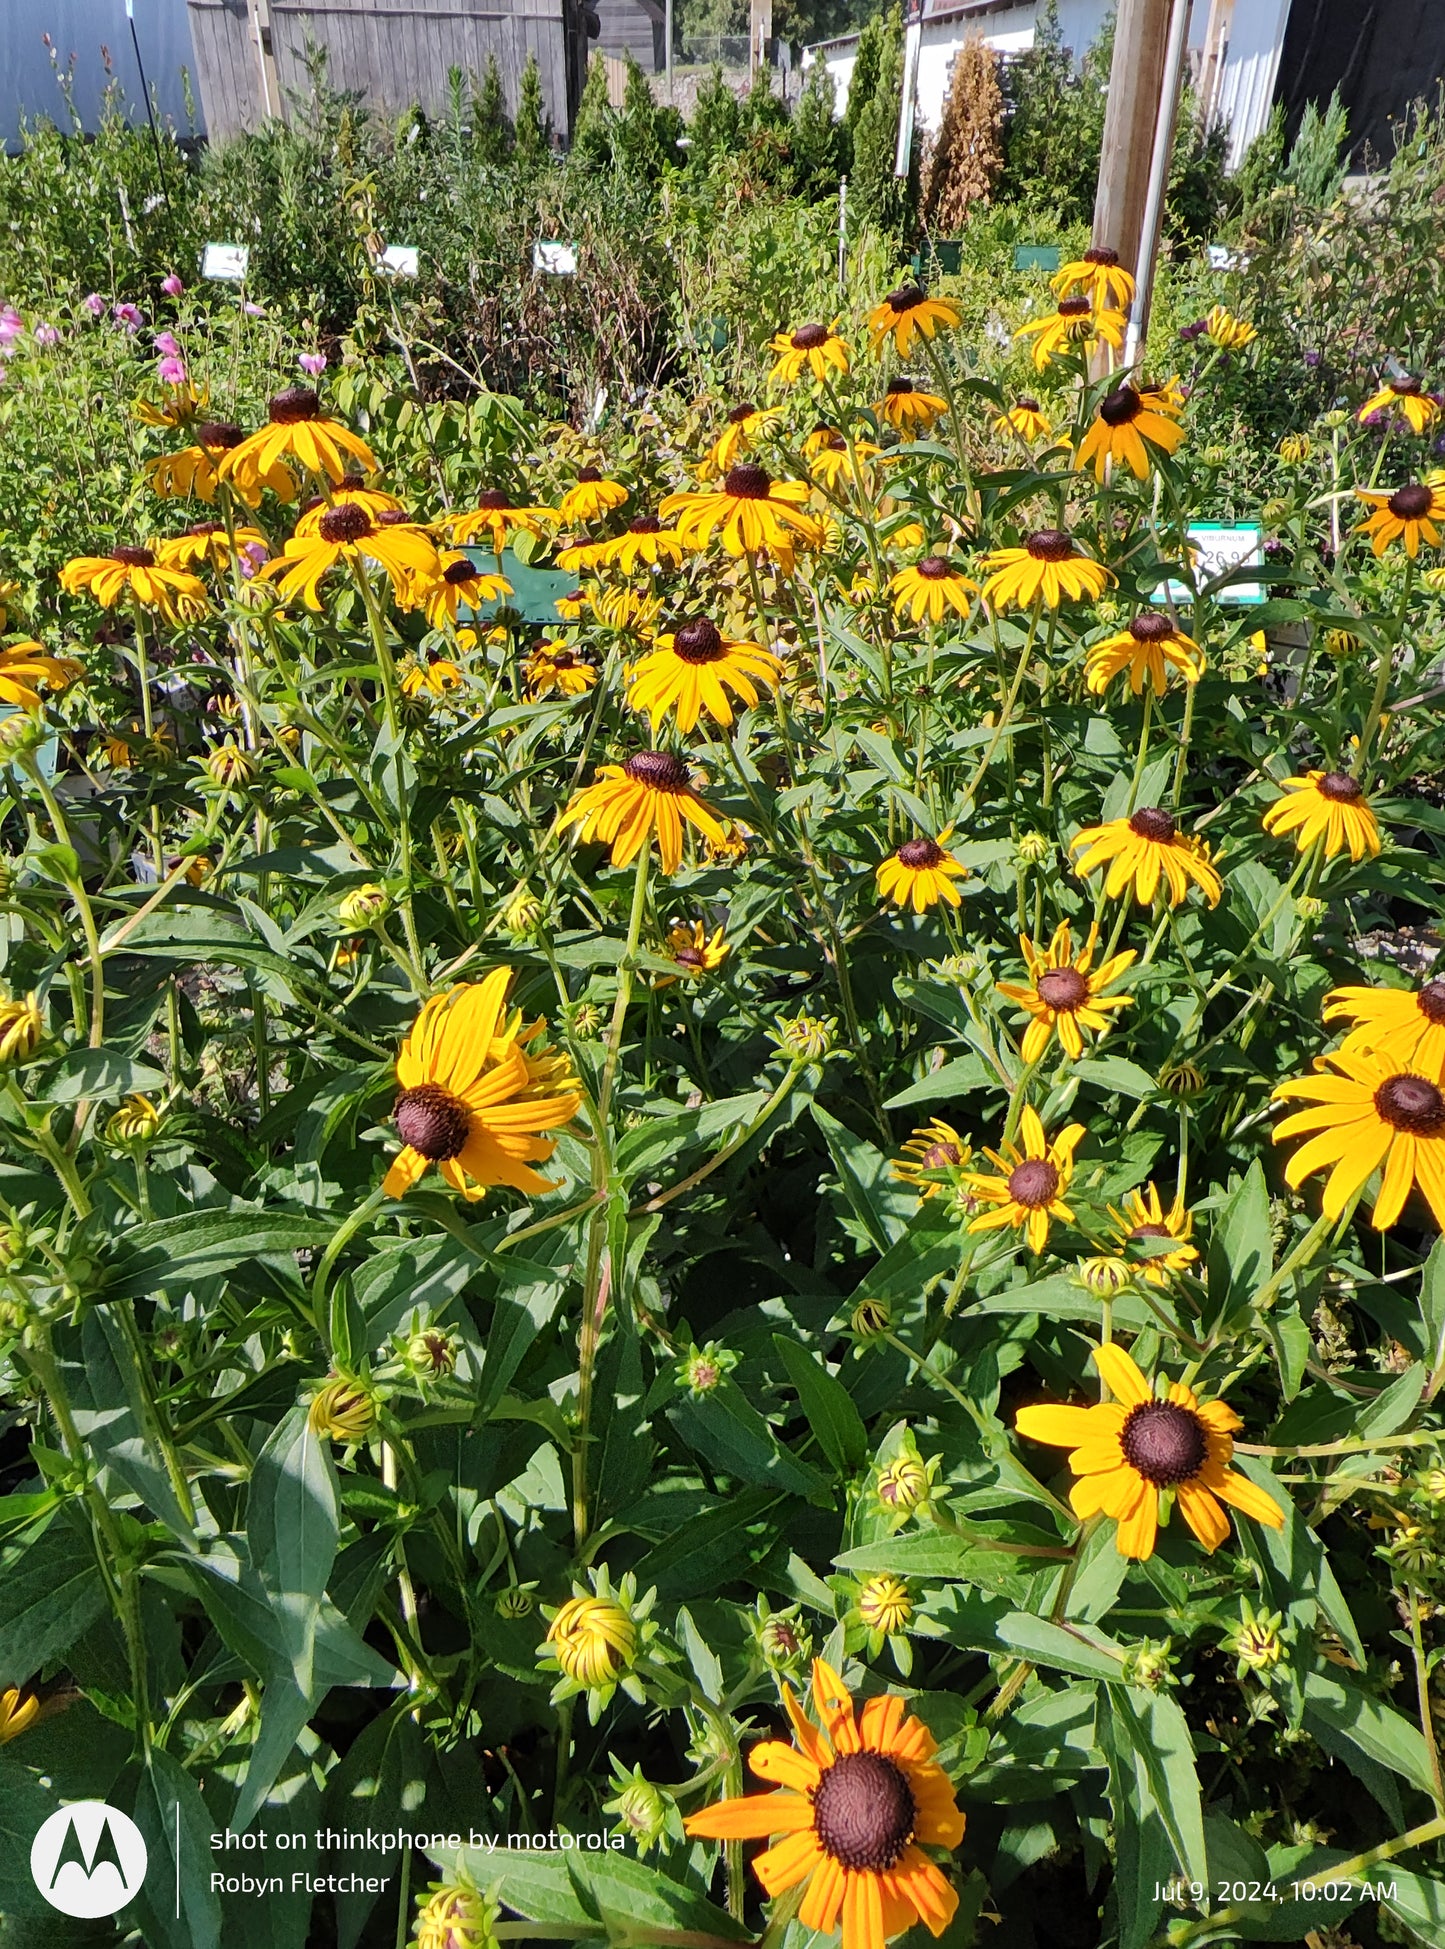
[1136,79]
[271,99]
[1153,223]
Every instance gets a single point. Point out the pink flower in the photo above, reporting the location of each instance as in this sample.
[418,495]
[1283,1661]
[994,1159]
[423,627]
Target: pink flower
[46,335]
[129,316]
[11,326]
[253,311]
[94,304]
[172,286]
[171,371]
[313,363]
[166,342]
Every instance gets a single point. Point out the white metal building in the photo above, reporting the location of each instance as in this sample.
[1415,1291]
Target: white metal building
[1234,48]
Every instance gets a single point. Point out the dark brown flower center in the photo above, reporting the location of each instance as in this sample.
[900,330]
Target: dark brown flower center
[133,557]
[747,483]
[1341,789]
[460,572]
[907,297]
[935,568]
[1034,1183]
[588,475]
[645,524]
[348,522]
[808,337]
[393,518]
[1076,307]
[938,1157]
[740,413]
[689,957]
[919,853]
[659,770]
[1404,386]
[492,500]
[433,1121]
[1028,406]
[1410,502]
[207,528]
[1063,988]
[1411,1104]
[863,1812]
[1431,1001]
[1101,254]
[1153,823]
[1120,406]
[1049,545]
[1150,627]
[1164,1443]
[1151,1231]
[296,403]
[219,435]
[901,386]
[698,641]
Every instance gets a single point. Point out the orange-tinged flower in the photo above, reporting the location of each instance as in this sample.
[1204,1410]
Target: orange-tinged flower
[297,431]
[1048,568]
[921,873]
[1026,419]
[1411,514]
[495,517]
[457,580]
[139,574]
[1406,1026]
[194,470]
[1133,426]
[907,316]
[1329,806]
[1147,648]
[744,427]
[207,545]
[1033,1178]
[931,588]
[1408,398]
[1145,1217]
[346,533]
[1129,1451]
[1075,326]
[478,1094]
[1099,275]
[749,512]
[591,497]
[691,671]
[858,1800]
[906,405]
[811,348]
[28,668]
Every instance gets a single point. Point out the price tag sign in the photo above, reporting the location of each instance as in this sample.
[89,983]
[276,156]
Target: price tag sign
[227,262]
[1218,547]
[398,260]
[555,260]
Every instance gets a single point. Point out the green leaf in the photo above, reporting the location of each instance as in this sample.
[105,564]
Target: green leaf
[110,1410]
[97,1073]
[1392,1408]
[1117,1075]
[1417,1900]
[178,1252]
[50,1595]
[1061,1297]
[292,1526]
[1067,1649]
[1335,1704]
[625,1899]
[727,1430]
[863,1172]
[1432,1301]
[828,1406]
[957,1078]
[164,1791]
[1241,1253]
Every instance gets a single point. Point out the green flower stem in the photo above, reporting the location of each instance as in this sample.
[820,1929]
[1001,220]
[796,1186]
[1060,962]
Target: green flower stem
[1143,751]
[785,1909]
[729,1149]
[1185,732]
[1382,677]
[626,973]
[340,1239]
[1221,1925]
[1362,1446]
[1010,702]
[1422,1695]
[387,668]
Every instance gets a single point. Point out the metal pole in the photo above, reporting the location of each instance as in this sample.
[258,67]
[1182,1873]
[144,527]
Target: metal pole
[667,39]
[1158,181]
[146,91]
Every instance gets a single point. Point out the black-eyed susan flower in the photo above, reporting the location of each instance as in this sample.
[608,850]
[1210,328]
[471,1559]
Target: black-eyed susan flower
[857,1803]
[644,540]
[931,588]
[208,544]
[1066,993]
[748,512]
[28,668]
[1030,1181]
[651,792]
[907,316]
[1073,327]
[1405,1026]
[1133,426]
[354,488]
[1145,1216]
[1143,849]
[631,610]
[1047,568]
[1411,514]
[138,575]
[933,1159]
[16,1713]
[497,519]
[1099,275]
[908,406]
[1405,398]
[816,349]
[592,496]
[1328,806]
[1130,1451]
[744,426]
[479,1090]
[297,431]
[557,667]
[430,677]
[1366,1113]
[832,460]
[347,534]
[692,670]
[1147,649]
[1025,419]
[1229,333]
[194,470]
[920,873]
[696,952]
[456,579]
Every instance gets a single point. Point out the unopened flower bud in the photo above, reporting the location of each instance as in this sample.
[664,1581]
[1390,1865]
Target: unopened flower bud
[704,1367]
[364,905]
[806,1036]
[21,1028]
[884,1604]
[1033,848]
[135,1122]
[431,1354]
[229,765]
[870,1318]
[1104,1276]
[455,1916]
[344,1409]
